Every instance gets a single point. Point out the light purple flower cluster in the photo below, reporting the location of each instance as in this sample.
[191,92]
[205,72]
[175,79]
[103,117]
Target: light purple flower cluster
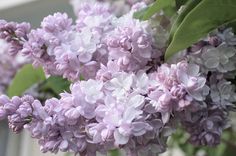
[97,39]
[17,110]
[180,84]
[15,34]
[130,44]
[70,50]
[129,99]
[41,48]
[129,111]
[216,53]
[205,120]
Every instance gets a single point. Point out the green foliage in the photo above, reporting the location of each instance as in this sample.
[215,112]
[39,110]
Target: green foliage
[189,6]
[232,25]
[24,79]
[202,19]
[114,153]
[156,7]
[56,84]
[179,3]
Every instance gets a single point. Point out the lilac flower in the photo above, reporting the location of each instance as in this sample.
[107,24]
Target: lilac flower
[56,23]
[130,44]
[228,36]
[129,98]
[214,54]
[92,89]
[120,85]
[207,127]
[69,50]
[15,34]
[41,48]
[219,58]
[222,92]
[177,84]
[194,85]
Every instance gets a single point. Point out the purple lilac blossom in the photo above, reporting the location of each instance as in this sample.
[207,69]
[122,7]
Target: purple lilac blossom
[130,43]
[129,98]
[179,84]
[103,115]
[216,53]
[97,38]
[205,120]
[69,50]
[41,48]
[15,34]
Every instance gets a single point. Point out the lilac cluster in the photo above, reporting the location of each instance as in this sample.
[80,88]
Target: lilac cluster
[97,39]
[70,50]
[130,44]
[206,120]
[41,48]
[129,99]
[15,34]
[129,111]
[177,87]
[17,110]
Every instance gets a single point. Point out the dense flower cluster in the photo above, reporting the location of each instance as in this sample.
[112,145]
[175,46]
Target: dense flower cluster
[129,98]
[132,111]
[216,58]
[97,38]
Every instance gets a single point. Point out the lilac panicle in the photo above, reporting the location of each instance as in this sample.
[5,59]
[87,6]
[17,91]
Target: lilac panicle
[102,115]
[129,98]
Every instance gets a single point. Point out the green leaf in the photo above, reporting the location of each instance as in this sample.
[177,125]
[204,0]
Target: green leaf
[179,3]
[189,7]
[156,7]
[139,14]
[57,84]
[202,19]
[232,25]
[114,152]
[24,79]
